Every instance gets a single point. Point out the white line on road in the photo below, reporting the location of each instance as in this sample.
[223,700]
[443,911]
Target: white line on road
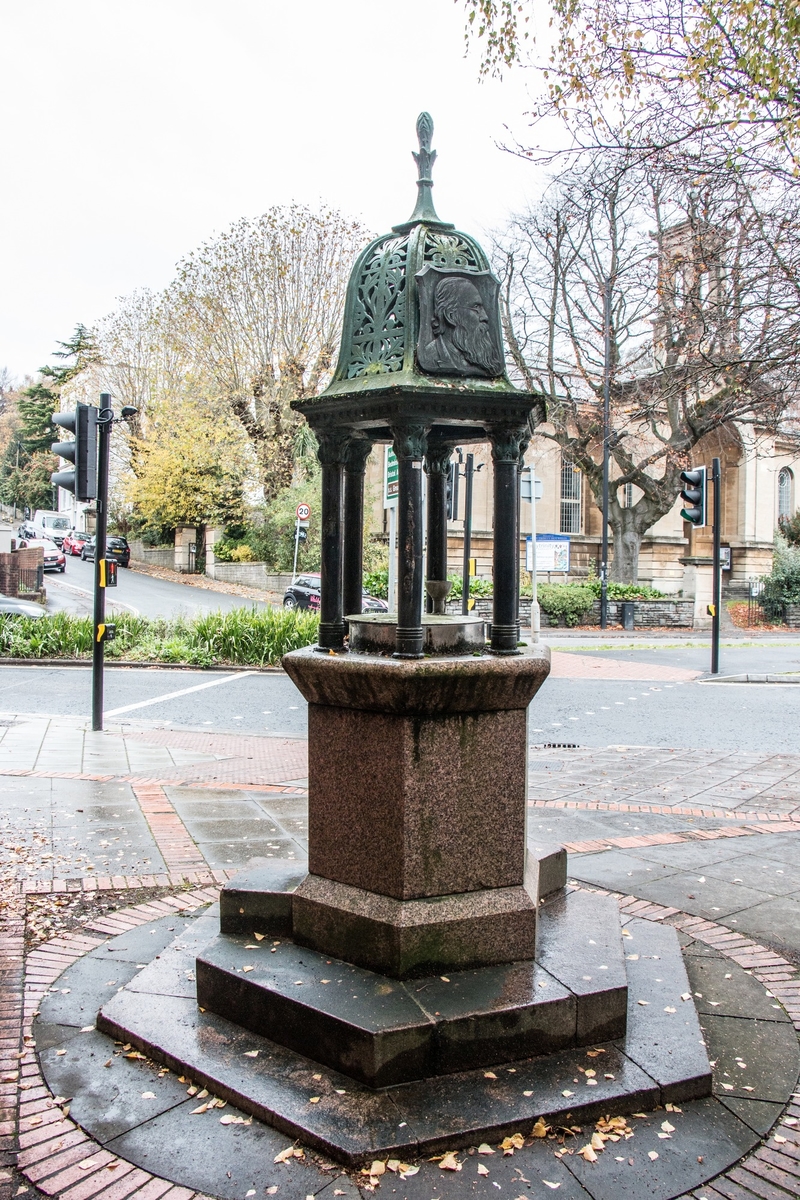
[85,592]
[115,712]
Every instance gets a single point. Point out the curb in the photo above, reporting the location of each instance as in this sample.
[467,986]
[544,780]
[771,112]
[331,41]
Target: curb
[127,664]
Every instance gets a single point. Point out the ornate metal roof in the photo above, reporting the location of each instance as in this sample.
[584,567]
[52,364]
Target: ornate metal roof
[400,283]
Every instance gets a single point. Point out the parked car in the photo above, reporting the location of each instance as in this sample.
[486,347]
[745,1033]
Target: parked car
[305,593]
[54,560]
[11,607]
[116,548]
[74,542]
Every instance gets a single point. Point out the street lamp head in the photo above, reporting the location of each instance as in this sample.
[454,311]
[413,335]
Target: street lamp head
[128,411]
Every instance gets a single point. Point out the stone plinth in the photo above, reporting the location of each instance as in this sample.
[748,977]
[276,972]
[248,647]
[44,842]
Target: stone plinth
[417,792]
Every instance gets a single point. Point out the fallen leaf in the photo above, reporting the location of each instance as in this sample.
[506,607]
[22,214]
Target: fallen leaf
[652,1155]
[644,1003]
[202,1095]
[59,1052]
[377,1168]
[486,1074]
[594,1053]
[251,1192]
[567,1092]
[670,1009]
[665,1136]
[444,978]
[87,1164]
[246,969]
[686,996]
[510,1144]
[776,1137]
[527,1093]
[450,1163]
[203,1108]
[314,1099]
[148,1095]
[485,1148]
[482,1170]
[289,1152]
[408,1172]
[588,1153]
[590,1072]
[259,936]
[271,1191]
[547,1183]
[597,1142]
[540,1129]
[665,1125]
[251,1054]
[88,1029]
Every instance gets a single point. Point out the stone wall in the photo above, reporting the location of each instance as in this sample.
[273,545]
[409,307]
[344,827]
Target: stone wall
[792,615]
[646,613]
[250,574]
[153,556]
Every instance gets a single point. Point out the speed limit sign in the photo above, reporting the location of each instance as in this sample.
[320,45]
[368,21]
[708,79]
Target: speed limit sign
[303,512]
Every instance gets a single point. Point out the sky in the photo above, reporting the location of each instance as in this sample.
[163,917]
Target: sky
[133,130]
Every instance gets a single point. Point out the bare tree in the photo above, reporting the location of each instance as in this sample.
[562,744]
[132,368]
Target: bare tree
[705,322]
[258,314]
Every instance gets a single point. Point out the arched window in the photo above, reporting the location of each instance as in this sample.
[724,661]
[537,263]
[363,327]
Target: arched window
[570,498]
[785,481]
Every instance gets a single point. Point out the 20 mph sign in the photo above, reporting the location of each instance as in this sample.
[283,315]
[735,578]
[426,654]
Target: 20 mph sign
[303,512]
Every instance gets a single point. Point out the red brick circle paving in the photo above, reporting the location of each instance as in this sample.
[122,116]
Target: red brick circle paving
[55,1155]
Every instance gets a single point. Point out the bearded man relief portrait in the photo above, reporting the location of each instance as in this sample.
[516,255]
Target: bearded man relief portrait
[459,326]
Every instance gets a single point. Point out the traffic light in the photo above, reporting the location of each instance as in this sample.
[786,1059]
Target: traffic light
[694,493]
[82,480]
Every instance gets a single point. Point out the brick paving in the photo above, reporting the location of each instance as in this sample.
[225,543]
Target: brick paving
[571,665]
[705,797]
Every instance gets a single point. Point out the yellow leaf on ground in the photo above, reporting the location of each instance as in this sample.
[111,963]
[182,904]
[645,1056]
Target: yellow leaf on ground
[665,1125]
[547,1183]
[482,1170]
[652,1155]
[450,1163]
[259,936]
[540,1129]
[485,1148]
[486,1074]
[597,1142]
[289,1152]
[588,1153]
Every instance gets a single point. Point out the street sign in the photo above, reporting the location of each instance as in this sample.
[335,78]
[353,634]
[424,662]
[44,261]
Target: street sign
[552,553]
[391,478]
[303,512]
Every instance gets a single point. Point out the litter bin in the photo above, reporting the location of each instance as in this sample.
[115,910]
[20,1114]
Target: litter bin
[627,614]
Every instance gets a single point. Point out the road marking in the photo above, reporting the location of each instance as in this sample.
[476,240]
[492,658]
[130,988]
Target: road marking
[115,712]
[85,592]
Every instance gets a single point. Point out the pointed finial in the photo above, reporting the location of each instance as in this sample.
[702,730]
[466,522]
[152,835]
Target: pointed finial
[425,158]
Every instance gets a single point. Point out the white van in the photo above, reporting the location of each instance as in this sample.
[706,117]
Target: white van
[48,524]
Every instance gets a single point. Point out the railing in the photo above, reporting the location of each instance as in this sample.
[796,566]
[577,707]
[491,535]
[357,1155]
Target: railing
[755,612]
[31,579]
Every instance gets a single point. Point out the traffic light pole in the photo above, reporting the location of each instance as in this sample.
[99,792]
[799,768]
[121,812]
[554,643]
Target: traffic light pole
[104,421]
[716,478]
[606,464]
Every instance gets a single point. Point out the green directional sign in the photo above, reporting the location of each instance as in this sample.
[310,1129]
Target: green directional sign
[391,478]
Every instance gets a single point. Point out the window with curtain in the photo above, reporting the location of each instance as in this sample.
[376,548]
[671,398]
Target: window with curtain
[785,492]
[570,498]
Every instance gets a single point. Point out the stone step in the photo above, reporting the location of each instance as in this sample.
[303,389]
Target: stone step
[379,1030]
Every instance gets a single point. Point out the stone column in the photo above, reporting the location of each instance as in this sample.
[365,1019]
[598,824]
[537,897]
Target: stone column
[409,446]
[331,454]
[437,464]
[507,448]
[356,454]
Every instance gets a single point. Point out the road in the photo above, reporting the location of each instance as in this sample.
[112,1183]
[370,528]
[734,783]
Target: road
[138,593]
[587,712]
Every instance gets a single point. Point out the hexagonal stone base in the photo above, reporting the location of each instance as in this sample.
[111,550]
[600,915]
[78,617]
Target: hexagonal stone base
[661,1059]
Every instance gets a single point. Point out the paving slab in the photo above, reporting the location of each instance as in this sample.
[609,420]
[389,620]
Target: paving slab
[767,1050]
[700,895]
[760,1115]
[618,869]
[774,923]
[719,989]
[776,877]
[707,1131]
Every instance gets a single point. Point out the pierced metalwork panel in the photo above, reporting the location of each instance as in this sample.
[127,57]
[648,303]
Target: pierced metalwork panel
[378,338]
[445,250]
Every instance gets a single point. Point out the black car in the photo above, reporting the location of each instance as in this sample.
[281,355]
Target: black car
[304,593]
[116,548]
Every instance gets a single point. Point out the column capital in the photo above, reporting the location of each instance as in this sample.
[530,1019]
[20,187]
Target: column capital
[410,441]
[437,458]
[509,442]
[356,453]
[332,447]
